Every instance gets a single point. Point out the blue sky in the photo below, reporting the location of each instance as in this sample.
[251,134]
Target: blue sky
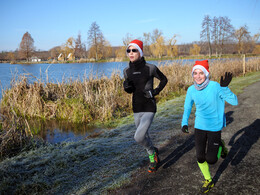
[52,22]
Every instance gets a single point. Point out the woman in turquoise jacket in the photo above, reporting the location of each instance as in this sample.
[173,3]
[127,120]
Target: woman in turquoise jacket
[209,98]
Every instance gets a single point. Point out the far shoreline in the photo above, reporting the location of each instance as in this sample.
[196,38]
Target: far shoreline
[125,59]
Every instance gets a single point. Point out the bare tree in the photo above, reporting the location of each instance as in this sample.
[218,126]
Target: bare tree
[121,51]
[55,52]
[215,33]
[226,32]
[147,43]
[205,33]
[156,34]
[254,41]
[95,40]
[26,48]
[80,48]
[172,49]
[243,37]
[221,32]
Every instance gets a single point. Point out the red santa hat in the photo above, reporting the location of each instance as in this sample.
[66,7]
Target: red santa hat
[138,45]
[202,65]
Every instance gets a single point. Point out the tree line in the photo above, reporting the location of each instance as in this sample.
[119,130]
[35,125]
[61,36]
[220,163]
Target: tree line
[217,37]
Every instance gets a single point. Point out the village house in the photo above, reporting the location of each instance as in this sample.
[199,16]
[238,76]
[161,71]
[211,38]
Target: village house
[70,57]
[35,59]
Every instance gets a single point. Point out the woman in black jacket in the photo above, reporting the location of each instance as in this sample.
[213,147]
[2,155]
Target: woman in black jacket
[139,77]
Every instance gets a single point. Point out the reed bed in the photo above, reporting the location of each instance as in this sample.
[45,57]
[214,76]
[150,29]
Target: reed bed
[14,136]
[102,99]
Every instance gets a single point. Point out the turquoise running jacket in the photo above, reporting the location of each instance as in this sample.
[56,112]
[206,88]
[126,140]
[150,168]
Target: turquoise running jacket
[210,106]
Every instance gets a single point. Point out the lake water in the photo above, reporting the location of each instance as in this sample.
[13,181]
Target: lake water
[51,131]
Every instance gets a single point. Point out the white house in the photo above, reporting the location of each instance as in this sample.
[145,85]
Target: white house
[35,59]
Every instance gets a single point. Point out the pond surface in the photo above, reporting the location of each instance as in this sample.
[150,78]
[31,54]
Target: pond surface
[55,131]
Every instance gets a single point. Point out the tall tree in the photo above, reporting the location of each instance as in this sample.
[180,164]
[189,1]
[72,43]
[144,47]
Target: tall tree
[127,39]
[26,47]
[156,34]
[226,32]
[172,49]
[55,52]
[80,48]
[205,33]
[215,33]
[158,47]
[95,40]
[243,37]
[106,49]
[121,51]
[221,32]
[157,44]
[147,43]
[68,47]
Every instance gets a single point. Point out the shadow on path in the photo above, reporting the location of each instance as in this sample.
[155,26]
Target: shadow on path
[229,119]
[240,147]
[178,152]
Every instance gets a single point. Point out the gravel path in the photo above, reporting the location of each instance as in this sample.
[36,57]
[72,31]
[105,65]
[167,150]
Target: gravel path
[239,173]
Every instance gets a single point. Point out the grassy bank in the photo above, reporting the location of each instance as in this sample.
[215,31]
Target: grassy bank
[99,100]
[94,165]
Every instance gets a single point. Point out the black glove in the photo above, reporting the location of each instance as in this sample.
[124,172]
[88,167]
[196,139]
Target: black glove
[128,86]
[151,93]
[224,82]
[185,129]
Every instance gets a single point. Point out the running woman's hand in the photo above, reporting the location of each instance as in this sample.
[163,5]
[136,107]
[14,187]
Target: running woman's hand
[185,129]
[224,82]
[151,93]
[128,86]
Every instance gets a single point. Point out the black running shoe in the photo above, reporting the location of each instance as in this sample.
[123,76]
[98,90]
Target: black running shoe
[154,161]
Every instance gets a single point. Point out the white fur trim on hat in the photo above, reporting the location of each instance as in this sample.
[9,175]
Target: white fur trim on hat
[201,68]
[137,47]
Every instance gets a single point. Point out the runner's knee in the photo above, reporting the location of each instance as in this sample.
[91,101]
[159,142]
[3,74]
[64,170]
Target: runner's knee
[212,159]
[138,138]
[201,158]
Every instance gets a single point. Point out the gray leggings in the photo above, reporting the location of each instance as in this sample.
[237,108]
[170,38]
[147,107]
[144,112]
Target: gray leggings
[143,121]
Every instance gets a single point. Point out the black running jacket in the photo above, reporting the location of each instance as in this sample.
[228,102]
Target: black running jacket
[139,76]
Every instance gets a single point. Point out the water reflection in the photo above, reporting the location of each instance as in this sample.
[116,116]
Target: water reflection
[58,131]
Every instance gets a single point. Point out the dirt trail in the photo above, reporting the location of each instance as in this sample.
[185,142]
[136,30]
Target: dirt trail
[239,173]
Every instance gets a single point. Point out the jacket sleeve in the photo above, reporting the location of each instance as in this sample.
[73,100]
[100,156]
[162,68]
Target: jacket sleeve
[227,95]
[187,108]
[163,80]
[127,84]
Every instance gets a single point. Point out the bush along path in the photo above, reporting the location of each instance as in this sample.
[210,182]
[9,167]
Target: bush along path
[113,163]
[238,173]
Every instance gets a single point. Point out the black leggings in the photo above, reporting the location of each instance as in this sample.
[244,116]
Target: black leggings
[207,145]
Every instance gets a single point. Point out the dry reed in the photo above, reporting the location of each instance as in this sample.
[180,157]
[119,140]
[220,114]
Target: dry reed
[15,134]
[100,99]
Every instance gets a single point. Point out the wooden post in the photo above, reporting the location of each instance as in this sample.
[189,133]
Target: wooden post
[244,65]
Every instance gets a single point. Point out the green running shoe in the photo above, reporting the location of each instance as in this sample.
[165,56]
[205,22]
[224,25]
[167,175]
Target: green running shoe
[208,184]
[154,161]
